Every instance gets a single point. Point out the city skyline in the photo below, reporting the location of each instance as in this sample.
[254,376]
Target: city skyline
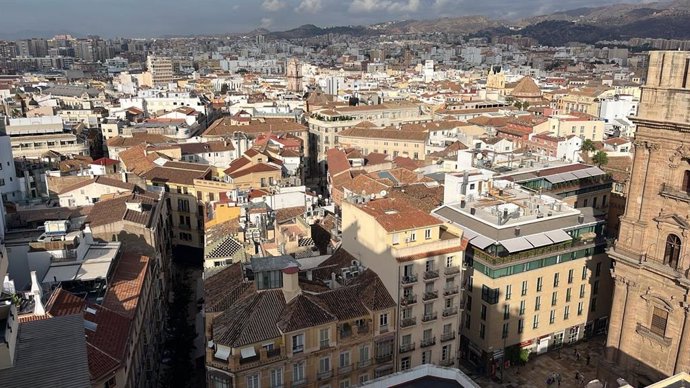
[173,18]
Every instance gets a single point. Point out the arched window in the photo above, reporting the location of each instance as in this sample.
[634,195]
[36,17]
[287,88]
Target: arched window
[672,252]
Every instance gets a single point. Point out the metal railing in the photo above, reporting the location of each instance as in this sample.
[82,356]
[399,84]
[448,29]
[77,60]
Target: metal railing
[447,312]
[409,279]
[430,295]
[407,322]
[429,317]
[404,348]
[451,290]
[429,275]
[408,299]
[426,342]
[448,336]
[452,270]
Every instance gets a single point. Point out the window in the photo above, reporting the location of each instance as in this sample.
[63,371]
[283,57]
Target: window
[396,239]
[579,308]
[298,370]
[582,290]
[567,295]
[298,343]
[522,307]
[216,382]
[593,305]
[345,383]
[504,333]
[554,298]
[111,383]
[363,379]
[468,322]
[276,378]
[603,201]
[426,357]
[597,271]
[540,283]
[594,202]
[555,279]
[482,330]
[413,236]
[469,303]
[383,320]
[584,273]
[521,326]
[253,381]
[535,321]
[552,317]
[506,311]
[363,353]
[427,234]
[570,276]
[324,340]
[445,353]
[449,261]
[344,359]
[405,363]
[325,364]
[672,251]
[429,266]
[566,312]
[595,287]
[483,312]
[537,303]
[509,291]
[489,295]
[524,288]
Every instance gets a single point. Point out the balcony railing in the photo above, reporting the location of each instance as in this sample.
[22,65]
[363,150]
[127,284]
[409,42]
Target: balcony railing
[452,270]
[404,348]
[363,329]
[383,329]
[448,336]
[237,364]
[407,322]
[429,295]
[408,299]
[409,279]
[364,364]
[325,374]
[426,342]
[438,245]
[324,344]
[429,317]
[451,290]
[297,349]
[429,275]
[674,192]
[447,362]
[543,252]
[382,358]
[299,383]
[447,312]
[345,369]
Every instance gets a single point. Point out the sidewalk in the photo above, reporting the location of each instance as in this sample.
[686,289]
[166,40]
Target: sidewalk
[563,361]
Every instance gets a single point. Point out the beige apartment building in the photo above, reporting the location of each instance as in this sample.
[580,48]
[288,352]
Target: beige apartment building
[326,124]
[584,100]
[649,334]
[419,259]
[586,127]
[272,332]
[537,275]
[161,70]
[390,141]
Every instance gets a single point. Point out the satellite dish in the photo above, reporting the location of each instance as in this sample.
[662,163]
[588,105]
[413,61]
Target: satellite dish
[383,193]
[480,156]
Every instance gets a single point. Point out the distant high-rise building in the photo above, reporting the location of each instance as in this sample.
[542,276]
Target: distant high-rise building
[294,75]
[649,333]
[161,69]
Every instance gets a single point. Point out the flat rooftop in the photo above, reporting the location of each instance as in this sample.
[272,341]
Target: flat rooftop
[424,376]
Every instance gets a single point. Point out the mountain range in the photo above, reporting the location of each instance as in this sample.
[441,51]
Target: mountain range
[667,19]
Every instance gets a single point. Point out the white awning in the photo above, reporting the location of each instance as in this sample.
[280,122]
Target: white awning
[222,353]
[558,235]
[248,352]
[481,242]
[538,240]
[516,244]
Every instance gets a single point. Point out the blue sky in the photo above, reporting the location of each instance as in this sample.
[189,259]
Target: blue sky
[150,18]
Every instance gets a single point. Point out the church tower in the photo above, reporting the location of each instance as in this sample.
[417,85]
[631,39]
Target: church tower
[649,330]
[294,76]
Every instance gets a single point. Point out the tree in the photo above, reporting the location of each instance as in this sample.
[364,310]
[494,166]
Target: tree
[518,104]
[587,146]
[600,158]
[224,89]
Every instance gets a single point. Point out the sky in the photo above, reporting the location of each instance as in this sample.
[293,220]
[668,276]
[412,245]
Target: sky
[151,18]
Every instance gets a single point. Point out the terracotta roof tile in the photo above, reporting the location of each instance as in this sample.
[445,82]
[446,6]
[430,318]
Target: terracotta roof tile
[126,284]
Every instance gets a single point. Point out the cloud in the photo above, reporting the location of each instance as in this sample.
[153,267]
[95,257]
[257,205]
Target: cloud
[361,6]
[273,5]
[266,22]
[309,6]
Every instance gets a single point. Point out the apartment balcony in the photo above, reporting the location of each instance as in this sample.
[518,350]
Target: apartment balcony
[364,364]
[384,358]
[299,383]
[542,252]
[448,336]
[409,279]
[404,348]
[451,270]
[352,332]
[324,345]
[450,311]
[407,300]
[343,370]
[431,275]
[675,192]
[430,317]
[426,342]
[407,322]
[237,364]
[384,329]
[324,375]
[452,290]
[447,240]
[430,295]
[447,362]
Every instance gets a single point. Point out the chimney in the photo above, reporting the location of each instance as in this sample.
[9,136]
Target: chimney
[88,235]
[291,282]
[37,292]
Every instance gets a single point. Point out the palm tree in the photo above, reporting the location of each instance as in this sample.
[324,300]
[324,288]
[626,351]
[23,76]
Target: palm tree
[600,158]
